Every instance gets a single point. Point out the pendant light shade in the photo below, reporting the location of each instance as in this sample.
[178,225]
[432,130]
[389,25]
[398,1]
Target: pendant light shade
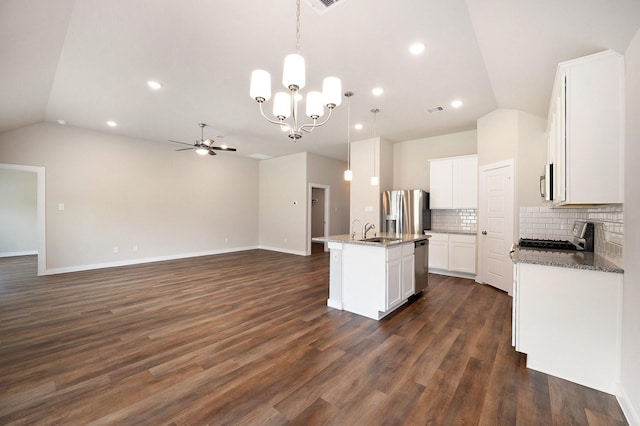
[260,89]
[332,91]
[348,175]
[293,75]
[314,105]
[282,105]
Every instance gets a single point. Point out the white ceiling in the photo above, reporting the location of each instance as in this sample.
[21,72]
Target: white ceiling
[87,61]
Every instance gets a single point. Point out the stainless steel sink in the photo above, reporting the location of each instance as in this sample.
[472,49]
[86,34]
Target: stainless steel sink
[381,240]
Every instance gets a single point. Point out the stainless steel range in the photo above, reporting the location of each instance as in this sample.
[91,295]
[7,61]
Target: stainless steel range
[582,240]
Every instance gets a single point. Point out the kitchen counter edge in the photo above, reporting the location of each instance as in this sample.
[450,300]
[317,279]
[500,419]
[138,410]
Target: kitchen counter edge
[346,239]
[564,259]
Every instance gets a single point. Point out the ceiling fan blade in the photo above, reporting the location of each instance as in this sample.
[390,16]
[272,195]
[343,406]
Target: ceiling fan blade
[212,153]
[185,149]
[219,148]
[181,143]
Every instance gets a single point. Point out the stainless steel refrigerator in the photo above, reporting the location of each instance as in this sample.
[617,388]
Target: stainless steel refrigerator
[406,212]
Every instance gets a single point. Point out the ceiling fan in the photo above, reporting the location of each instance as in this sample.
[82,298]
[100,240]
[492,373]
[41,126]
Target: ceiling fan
[203,146]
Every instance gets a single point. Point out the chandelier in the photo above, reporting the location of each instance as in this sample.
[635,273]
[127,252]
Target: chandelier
[285,105]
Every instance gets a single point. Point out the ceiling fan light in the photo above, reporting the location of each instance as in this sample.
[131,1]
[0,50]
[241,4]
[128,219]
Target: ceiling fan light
[260,88]
[314,105]
[332,91]
[202,151]
[294,71]
[282,105]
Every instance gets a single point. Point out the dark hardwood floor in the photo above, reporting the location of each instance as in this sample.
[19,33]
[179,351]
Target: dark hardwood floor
[247,338]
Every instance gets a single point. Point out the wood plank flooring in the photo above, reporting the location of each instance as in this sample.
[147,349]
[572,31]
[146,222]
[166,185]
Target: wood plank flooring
[247,338]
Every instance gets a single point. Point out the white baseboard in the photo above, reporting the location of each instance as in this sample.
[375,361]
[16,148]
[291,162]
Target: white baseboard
[19,253]
[335,304]
[452,273]
[287,251]
[128,262]
[633,418]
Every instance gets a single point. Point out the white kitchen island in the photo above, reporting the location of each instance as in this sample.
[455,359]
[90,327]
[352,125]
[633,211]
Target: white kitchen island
[371,278]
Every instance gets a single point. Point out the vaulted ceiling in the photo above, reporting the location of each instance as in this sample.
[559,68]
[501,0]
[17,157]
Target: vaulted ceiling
[88,61]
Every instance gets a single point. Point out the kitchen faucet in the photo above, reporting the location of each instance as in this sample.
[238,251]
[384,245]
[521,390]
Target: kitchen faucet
[353,233]
[366,228]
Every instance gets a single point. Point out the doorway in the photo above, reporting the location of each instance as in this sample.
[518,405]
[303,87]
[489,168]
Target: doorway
[496,217]
[318,217]
[40,197]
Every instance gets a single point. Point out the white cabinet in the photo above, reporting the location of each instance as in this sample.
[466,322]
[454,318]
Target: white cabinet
[586,130]
[567,321]
[373,280]
[408,271]
[462,253]
[439,251]
[454,182]
[452,254]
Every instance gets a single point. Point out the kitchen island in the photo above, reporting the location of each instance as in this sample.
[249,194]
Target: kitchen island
[371,277]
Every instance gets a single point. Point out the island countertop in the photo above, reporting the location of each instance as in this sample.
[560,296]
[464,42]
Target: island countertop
[391,239]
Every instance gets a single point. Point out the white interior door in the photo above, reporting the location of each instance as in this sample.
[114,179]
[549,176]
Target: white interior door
[496,212]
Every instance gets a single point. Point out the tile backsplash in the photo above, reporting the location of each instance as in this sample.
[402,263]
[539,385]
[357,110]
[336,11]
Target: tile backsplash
[454,220]
[556,224]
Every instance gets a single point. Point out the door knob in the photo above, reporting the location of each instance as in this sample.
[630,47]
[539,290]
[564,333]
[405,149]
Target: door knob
[484,232]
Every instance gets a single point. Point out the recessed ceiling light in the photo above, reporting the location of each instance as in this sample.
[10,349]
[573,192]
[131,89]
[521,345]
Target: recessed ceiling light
[62,122]
[456,104]
[154,85]
[417,48]
[358,126]
[377,91]
[111,123]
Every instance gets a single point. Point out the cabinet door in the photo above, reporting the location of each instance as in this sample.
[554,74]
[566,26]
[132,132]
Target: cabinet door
[441,184]
[394,283]
[408,276]
[439,251]
[462,254]
[465,183]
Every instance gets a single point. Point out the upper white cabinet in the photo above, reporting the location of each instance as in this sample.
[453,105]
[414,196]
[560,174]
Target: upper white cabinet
[454,182]
[586,130]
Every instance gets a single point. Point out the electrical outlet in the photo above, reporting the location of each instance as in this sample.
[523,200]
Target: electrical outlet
[226,240]
[116,249]
[135,247]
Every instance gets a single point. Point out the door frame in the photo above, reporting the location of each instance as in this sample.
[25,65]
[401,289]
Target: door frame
[482,212]
[327,193]
[40,206]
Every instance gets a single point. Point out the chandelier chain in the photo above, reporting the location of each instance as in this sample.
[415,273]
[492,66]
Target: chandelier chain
[298,26]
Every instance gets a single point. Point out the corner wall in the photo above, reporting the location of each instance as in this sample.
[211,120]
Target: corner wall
[630,358]
[18,213]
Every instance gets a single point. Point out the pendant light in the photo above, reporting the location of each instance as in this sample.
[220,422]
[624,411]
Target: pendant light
[375,181]
[348,174]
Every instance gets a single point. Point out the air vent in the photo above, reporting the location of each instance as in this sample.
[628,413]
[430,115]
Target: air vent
[435,109]
[323,6]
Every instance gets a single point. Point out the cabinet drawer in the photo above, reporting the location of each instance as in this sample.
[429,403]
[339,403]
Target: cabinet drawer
[438,237]
[458,238]
[408,249]
[394,253]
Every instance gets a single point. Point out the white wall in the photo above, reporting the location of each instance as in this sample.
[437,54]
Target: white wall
[411,158]
[18,213]
[284,186]
[330,172]
[123,192]
[369,157]
[630,360]
[283,201]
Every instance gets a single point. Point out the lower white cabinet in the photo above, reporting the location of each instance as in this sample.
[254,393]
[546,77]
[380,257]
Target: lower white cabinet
[400,275]
[567,321]
[452,254]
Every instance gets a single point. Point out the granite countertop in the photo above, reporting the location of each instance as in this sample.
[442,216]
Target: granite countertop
[394,239]
[445,231]
[564,259]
